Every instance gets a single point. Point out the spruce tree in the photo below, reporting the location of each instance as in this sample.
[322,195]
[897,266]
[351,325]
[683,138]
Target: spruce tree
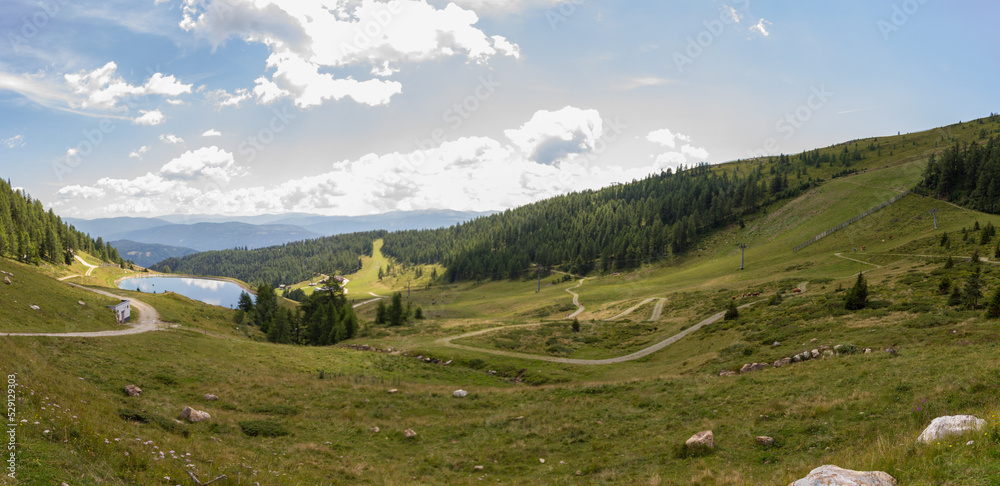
[857,296]
[993,308]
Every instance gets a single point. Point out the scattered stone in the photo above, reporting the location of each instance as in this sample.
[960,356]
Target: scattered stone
[409,433]
[813,340]
[727,373]
[782,362]
[891,351]
[579,472]
[970,442]
[6,280]
[478,468]
[776,344]
[868,350]
[35,307]
[393,391]
[447,362]
[702,439]
[796,359]
[133,391]
[835,476]
[81,303]
[942,427]
[541,461]
[375,429]
[753,367]
[765,440]
[210,397]
[461,393]
[814,353]
[192,415]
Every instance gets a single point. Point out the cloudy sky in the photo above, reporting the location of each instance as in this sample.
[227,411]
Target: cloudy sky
[350,107]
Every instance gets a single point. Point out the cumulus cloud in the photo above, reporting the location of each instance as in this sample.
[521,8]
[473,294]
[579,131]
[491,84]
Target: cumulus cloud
[552,135]
[212,133]
[470,173]
[103,88]
[223,98]
[306,39]
[171,138]
[687,155]
[80,192]
[507,7]
[204,163]
[139,152]
[151,118]
[761,28]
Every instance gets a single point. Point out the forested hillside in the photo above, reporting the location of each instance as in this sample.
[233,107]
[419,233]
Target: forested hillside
[288,263]
[30,233]
[967,175]
[614,228]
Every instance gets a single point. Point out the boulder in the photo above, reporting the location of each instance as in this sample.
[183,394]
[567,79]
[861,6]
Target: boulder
[796,359]
[133,391]
[943,427]
[814,353]
[702,439]
[393,391]
[753,367]
[765,440]
[727,373]
[835,476]
[210,397]
[192,415]
[81,302]
[409,433]
[6,280]
[460,393]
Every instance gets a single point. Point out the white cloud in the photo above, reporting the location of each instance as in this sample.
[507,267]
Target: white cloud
[761,28]
[80,192]
[175,102]
[732,13]
[205,163]
[552,135]
[212,133]
[471,173]
[102,88]
[663,137]
[696,152]
[507,7]
[171,138]
[151,118]
[308,38]
[267,91]
[13,142]
[139,152]
[642,82]
[223,98]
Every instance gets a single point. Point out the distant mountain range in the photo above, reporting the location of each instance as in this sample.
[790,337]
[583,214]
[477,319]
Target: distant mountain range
[173,235]
[149,254]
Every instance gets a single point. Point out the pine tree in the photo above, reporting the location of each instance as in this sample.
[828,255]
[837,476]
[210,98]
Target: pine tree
[993,308]
[973,291]
[732,312]
[857,296]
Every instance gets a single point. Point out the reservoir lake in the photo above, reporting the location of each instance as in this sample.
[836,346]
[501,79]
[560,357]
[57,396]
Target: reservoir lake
[214,292]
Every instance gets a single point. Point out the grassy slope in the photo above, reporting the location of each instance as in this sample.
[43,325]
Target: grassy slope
[614,424]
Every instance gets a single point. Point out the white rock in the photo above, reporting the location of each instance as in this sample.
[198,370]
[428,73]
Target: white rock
[942,427]
[835,476]
[461,393]
[192,415]
[703,439]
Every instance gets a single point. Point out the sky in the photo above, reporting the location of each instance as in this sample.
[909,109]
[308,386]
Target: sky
[353,107]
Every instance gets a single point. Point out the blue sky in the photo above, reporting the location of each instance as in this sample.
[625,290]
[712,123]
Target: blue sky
[348,107]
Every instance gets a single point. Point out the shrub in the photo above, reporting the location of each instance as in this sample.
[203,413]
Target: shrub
[845,349]
[263,428]
[775,299]
[732,312]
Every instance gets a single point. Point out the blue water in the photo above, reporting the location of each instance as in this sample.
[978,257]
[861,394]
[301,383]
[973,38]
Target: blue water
[214,292]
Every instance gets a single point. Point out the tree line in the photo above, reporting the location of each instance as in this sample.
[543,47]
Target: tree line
[967,175]
[31,234]
[615,228]
[282,264]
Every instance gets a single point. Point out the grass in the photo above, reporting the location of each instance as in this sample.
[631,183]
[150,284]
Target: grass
[303,415]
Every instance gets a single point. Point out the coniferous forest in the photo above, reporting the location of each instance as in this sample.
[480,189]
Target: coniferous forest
[275,265]
[323,319]
[967,175]
[31,234]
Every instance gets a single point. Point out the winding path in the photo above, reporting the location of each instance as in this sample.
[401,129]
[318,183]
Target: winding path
[576,300]
[90,268]
[376,299]
[150,321]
